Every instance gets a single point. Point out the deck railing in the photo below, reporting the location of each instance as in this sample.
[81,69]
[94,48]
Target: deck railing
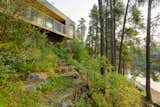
[38,18]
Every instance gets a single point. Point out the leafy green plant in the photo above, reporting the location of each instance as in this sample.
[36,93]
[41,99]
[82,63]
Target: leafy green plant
[120,92]
[79,51]
[100,100]
[24,47]
[82,103]
[54,82]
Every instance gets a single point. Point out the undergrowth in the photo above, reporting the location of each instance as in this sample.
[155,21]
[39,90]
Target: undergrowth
[24,48]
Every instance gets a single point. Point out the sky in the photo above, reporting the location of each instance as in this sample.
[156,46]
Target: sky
[74,9]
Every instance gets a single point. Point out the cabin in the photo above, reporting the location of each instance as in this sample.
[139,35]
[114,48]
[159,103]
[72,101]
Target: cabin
[42,14]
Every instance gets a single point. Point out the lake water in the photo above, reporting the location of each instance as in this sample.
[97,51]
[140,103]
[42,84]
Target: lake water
[154,85]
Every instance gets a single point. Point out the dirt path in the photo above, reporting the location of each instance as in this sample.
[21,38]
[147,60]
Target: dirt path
[66,99]
[62,102]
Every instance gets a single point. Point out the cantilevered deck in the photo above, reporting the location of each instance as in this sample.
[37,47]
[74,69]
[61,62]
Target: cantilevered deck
[42,14]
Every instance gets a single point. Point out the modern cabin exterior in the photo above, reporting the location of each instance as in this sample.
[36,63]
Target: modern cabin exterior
[42,14]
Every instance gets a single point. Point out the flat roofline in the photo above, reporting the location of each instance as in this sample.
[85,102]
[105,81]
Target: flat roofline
[52,8]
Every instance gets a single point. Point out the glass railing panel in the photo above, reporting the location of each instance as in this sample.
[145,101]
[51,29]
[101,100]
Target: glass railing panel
[57,26]
[49,23]
[36,17]
[71,30]
[46,21]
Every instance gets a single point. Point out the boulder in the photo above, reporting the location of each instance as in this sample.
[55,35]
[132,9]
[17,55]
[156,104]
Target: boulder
[40,76]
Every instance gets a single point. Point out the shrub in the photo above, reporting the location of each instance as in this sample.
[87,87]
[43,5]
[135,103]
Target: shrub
[12,93]
[120,92]
[100,101]
[82,103]
[79,51]
[24,47]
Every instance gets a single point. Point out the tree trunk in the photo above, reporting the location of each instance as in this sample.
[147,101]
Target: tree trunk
[122,38]
[90,38]
[114,37]
[123,67]
[97,39]
[148,41]
[101,18]
[107,27]
[112,3]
